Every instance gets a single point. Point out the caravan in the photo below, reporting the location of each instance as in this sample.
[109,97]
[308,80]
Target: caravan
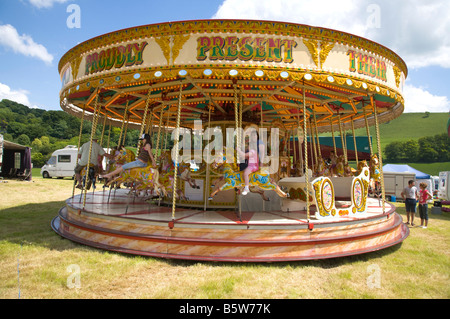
[61,164]
[444,190]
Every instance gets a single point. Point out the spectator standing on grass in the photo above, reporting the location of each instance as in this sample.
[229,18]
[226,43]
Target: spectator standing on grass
[410,196]
[424,197]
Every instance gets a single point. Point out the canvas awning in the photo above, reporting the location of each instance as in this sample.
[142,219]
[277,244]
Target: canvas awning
[399,168]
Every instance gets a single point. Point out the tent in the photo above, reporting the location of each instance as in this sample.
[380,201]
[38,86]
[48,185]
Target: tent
[405,169]
[15,160]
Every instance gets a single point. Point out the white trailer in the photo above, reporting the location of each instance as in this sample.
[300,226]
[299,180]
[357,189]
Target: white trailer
[395,182]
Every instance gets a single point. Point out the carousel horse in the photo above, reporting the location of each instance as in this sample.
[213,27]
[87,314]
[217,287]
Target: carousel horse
[375,174]
[217,183]
[374,167]
[166,176]
[184,172]
[338,169]
[348,170]
[322,169]
[139,179]
[91,177]
[121,157]
[235,179]
[361,165]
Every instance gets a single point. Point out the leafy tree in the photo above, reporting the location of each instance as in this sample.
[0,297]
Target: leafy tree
[36,145]
[411,151]
[23,139]
[38,159]
[394,152]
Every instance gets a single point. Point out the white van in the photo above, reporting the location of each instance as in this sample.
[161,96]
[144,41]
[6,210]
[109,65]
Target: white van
[62,163]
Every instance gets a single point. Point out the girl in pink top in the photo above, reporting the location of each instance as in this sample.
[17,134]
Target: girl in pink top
[424,196]
[252,155]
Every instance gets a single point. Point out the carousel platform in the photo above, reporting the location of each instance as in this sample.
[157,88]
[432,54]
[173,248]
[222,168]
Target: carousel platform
[133,225]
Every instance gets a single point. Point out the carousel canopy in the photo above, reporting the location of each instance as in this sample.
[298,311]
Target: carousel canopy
[270,68]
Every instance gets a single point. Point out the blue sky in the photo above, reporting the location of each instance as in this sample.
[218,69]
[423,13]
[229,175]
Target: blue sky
[34,35]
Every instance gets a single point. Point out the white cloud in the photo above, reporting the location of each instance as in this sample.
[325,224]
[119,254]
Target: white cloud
[45,3]
[417,30]
[23,44]
[19,96]
[419,100]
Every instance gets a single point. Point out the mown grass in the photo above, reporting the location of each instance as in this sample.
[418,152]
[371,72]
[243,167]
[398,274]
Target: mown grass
[36,261]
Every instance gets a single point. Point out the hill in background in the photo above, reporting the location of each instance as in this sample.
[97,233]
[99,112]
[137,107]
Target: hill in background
[410,126]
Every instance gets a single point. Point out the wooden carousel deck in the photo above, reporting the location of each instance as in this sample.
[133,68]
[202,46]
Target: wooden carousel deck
[132,225]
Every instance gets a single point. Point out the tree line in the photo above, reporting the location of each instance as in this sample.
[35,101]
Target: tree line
[427,149]
[46,131]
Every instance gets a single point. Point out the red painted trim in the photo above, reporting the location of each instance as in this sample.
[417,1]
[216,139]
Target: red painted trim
[405,234]
[226,242]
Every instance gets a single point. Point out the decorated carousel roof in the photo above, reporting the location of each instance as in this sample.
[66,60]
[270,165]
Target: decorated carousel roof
[269,68]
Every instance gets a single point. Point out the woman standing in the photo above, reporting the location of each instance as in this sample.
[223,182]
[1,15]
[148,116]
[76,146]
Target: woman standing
[424,196]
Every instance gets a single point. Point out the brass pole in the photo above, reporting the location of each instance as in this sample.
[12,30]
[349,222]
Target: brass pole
[300,157]
[78,148]
[159,131]
[354,142]
[306,156]
[380,157]
[206,192]
[177,138]
[93,129]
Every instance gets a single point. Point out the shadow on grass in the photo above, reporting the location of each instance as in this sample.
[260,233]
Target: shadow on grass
[31,224]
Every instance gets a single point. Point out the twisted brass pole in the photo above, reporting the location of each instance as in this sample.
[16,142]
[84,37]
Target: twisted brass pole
[177,138]
[306,156]
[380,157]
[93,129]
[78,148]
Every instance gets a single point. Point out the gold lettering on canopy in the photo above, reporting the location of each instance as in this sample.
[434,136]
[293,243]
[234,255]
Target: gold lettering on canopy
[232,48]
[367,65]
[116,57]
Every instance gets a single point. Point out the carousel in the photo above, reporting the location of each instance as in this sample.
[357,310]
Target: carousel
[209,85]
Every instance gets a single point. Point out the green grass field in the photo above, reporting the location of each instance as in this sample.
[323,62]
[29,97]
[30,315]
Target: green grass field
[38,263]
[408,126]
